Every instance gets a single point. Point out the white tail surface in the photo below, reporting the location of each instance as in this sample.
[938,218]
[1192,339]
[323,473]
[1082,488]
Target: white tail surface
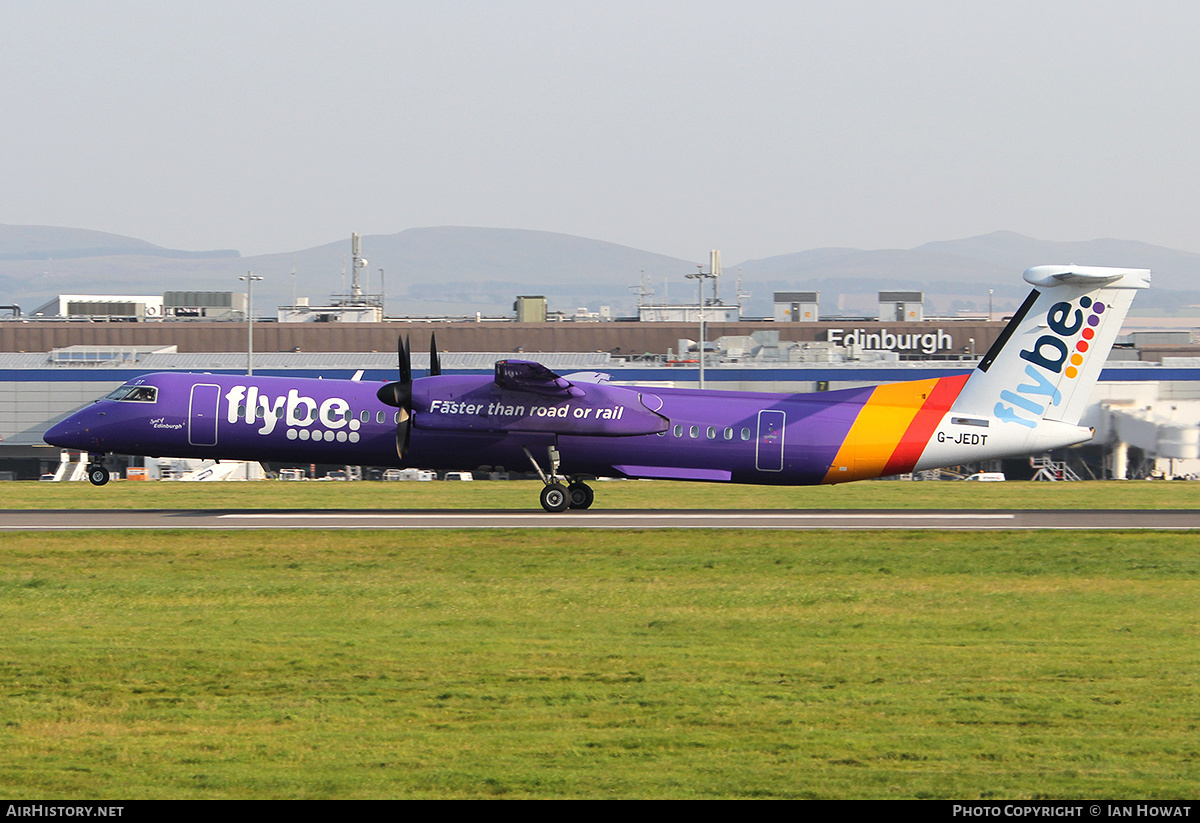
[1033,385]
[1047,360]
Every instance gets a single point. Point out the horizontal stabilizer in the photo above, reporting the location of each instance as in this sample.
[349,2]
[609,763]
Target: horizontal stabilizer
[1088,277]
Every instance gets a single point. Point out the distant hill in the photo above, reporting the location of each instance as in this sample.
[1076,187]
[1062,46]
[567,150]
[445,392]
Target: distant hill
[468,270]
[961,271]
[986,257]
[1172,269]
[51,243]
[462,270]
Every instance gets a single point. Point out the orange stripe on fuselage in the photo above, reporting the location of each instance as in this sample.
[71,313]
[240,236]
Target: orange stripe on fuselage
[916,437]
[892,428]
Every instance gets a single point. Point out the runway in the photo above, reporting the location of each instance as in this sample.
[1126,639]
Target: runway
[76,519]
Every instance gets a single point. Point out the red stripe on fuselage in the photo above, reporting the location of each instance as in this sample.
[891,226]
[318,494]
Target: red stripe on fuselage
[916,437]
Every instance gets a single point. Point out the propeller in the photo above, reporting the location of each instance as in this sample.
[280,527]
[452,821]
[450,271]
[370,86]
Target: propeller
[435,363]
[399,395]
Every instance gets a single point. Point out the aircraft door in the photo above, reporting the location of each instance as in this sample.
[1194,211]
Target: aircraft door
[768,451]
[202,414]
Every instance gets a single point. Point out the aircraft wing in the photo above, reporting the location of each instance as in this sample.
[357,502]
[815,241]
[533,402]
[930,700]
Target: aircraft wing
[528,397]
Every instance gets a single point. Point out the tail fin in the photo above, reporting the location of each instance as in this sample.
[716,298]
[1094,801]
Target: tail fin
[1047,360]
[1026,396]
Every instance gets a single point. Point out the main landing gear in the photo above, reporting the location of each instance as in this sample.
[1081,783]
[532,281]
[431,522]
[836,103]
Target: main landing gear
[555,496]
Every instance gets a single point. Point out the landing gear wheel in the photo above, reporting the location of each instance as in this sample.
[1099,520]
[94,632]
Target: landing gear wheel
[580,495]
[555,498]
[97,475]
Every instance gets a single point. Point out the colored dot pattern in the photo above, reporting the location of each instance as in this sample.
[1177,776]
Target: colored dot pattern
[328,436]
[1089,332]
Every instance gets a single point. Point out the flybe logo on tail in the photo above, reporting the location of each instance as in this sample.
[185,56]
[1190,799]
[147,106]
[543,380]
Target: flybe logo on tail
[1060,353]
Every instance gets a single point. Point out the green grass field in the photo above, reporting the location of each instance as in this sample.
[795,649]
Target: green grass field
[615,495]
[445,664]
[672,664]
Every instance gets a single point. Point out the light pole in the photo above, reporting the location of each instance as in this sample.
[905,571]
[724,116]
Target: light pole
[700,277]
[250,278]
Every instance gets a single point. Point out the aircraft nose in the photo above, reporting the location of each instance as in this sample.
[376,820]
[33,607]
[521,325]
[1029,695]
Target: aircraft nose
[67,434]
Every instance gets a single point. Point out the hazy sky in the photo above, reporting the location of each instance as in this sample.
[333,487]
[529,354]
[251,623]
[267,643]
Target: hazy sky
[758,128]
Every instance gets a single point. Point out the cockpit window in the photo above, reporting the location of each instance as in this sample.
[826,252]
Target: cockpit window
[134,394]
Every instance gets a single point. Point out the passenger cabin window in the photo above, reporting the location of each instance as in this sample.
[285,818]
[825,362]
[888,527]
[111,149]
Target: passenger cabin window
[745,434]
[134,394]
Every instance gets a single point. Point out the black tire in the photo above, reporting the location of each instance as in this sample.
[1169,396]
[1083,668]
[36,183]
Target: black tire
[555,498]
[97,475]
[580,495]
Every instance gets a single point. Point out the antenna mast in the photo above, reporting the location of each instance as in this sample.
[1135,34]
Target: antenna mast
[714,269]
[356,291]
[643,290]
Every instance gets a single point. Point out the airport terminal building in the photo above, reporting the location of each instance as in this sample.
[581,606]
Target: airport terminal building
[1146,410]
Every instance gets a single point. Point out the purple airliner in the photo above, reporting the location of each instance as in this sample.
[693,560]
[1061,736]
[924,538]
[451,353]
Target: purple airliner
[1025,397]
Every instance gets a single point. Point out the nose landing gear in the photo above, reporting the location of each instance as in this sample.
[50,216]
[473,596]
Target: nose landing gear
[97,475]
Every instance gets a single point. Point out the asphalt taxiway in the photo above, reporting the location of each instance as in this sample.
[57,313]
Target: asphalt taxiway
[76,519]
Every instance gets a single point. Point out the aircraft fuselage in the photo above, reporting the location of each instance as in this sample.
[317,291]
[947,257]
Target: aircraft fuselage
[741,437]
[1026,396]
